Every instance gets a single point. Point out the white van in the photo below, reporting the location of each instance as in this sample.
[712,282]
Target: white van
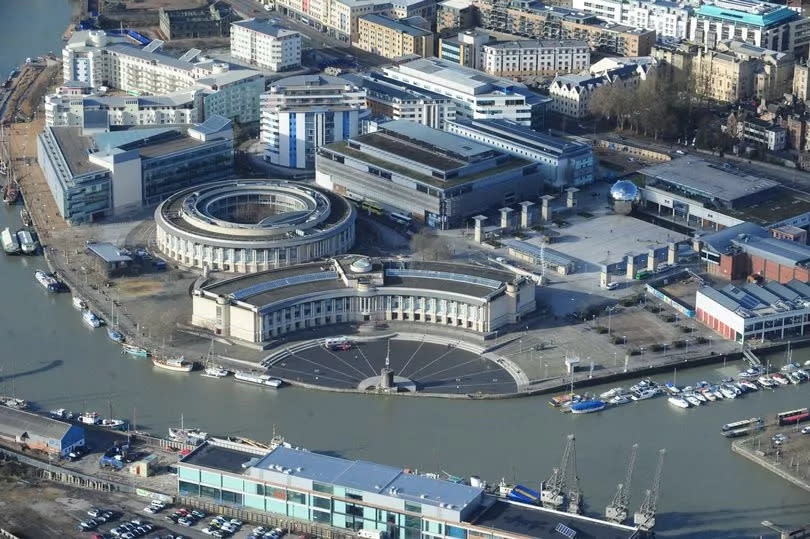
[370,534]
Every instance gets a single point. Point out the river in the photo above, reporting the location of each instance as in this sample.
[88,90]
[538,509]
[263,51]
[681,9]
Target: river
[49,357]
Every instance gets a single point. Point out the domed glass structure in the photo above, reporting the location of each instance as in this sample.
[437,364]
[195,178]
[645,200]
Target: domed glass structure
[623,196]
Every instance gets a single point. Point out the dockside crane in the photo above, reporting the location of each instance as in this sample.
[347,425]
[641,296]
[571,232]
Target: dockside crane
[551,495]
[572,479]
[644,519]
[616,511]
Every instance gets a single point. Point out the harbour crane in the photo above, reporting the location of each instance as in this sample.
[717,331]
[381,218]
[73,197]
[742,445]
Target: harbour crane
[644,518]
[616,511]
[551,495]
[572,478]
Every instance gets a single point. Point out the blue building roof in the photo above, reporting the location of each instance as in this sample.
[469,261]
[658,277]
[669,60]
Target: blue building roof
[773,15]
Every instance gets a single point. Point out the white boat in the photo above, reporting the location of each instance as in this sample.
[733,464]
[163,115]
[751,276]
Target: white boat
[709,394]
[727,393]
[89,418]
[78,303]
[192,435]
[11,245]
[750,385]
[61,413]
[765,381]
[90,319]
[780,379]
[672,388]
[731,387]
[678,401]
[27,243]
[48,282]
[699,396]
[691,399]
[14,402]
[620,399]
[259,379]
[616,391]
[176,364]
[113,424]
[215,371]
[644,394]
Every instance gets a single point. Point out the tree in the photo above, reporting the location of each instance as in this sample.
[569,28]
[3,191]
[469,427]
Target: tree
[430,246]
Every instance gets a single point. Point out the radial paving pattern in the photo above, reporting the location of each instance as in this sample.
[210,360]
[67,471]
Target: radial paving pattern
[433,368]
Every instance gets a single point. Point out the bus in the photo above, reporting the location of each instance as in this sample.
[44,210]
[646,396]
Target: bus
[400,218]
[371,207]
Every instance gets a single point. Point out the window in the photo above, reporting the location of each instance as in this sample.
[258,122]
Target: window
[189,489]
[413,507]
[296,497]
[322,503]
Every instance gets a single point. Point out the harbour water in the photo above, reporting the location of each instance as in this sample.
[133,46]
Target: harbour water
[31,28]
[56,361]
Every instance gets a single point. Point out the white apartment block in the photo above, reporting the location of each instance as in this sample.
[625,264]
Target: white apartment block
[535,57]
[571,94]
[668,19]
[265,45]
[123,111]
[234,94]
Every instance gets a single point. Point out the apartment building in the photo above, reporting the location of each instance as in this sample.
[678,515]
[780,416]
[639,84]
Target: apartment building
[123,111]
[302,113]
[771,26]
[234,94]
[476,95]
[668,19]
[265,45]
[571,94]
[213,20]
[801,82]
[392,38]
[454,15]
[466,49]
[397,100]
[535,57]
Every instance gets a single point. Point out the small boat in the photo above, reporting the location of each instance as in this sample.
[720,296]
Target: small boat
[14,402]
[25,217]
[78,303]
[751,386]
[133,350]
[115,335]
[766,381]
[727,393]
[11,244]
[176,364]
[191,435]
[89,418]
[112,424]
[215,371]
[47,281]
[678,401]
[794,378]
[742,423]
[560,400]
[672,388]
[620,399]
[727,380]
[10,192]
[588,406]
[61,413]
[644,394]
[28,245]
[780,379]
[709,394]
[259,379]
[790,367]
[90,319]
[744,431]
[691,399]
[612,393]
[731,387]
[699,396]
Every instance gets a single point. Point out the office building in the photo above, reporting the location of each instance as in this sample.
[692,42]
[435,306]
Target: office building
[668,19]
[265,45]
[477,96]
[123,111]
[396,100]
[535,57]
[300,114]
[213,20]
[454,15]
[770,26]
[433,176]
[562,163]
[392,38]
[465,49]
[93,175]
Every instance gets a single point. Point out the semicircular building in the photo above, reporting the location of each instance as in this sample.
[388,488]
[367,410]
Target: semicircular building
[253,225]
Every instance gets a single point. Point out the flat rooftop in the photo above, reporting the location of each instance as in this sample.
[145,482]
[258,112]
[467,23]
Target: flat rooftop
[263,26]
[455,76]
[218,457]
[394,24]
[378,85]
[538,522]
[75,149]
[166,147]
[230,286]
[709,180]
[518,134]
[751,300]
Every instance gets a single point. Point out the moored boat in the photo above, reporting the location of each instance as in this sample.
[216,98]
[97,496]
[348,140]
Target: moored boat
[25,217]
[751,386]
[10,192]
[742,423]
[61,413]
[257,378]
[620,399]
[672,388]
[644,394]
[612,393]
[112,424]
[27,243]
[115,335]
[78,303]
[728,393]
[766,381]
[588,406]
[90,319]
[47,281]
[89,418]
[190,435]
[14,402]
[215,371]
[11,245]
[176,364]
[133,350]
[678,401]
[691,399]
[709,394]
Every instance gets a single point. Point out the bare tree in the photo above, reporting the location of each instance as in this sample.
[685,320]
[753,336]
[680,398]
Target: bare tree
[430,246]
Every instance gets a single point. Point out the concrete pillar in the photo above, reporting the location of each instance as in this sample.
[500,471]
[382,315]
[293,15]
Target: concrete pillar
[604,276]
[506,218]
[571,198]
[697,245]
[652,263]
[479,220]
[526,214]
[545,200]
[672,253]
[631,266]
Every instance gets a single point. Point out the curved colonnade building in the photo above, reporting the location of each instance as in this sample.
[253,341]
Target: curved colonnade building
[351,288]
[249,226]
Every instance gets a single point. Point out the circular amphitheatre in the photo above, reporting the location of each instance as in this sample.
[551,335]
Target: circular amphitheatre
[253,225]
[416,366]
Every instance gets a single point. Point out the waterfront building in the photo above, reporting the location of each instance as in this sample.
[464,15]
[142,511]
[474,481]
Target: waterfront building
[770,26]
[535,57]
[562,162]
[433,176]
[39,433]
[396,100]
[392,38]
[265,45]
[302,113]
[324,490]
[93,175]
[668,19]
[477,95]
[253,225]
[213,20]
[178,108]
[465,49]
[541,21]
[352,289]
[453,15]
